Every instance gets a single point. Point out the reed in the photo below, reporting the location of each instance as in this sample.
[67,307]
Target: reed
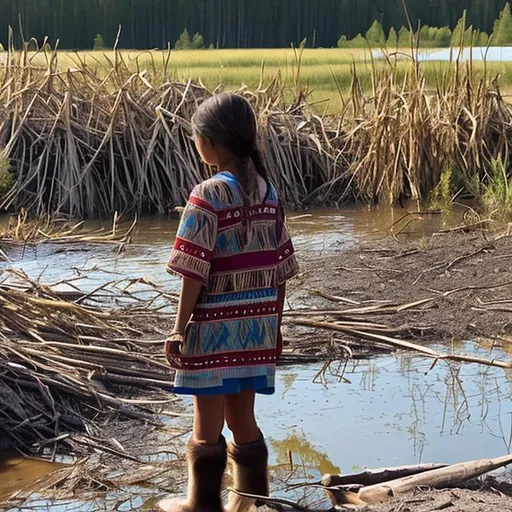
[116,137]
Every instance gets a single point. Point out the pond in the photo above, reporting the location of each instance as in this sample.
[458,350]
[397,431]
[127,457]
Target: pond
[152,238]
[477,53]
[385,411]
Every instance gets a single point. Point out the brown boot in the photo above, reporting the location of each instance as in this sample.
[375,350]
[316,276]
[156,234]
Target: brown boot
[206,466]
[250,473]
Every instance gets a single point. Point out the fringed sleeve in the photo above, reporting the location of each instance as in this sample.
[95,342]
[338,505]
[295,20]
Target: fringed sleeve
[288,265]
[195,240]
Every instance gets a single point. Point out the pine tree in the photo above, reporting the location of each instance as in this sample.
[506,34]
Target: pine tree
[404,38]
[98,43]
[375,35]
[443,37]
[183,43]
[197,41]
[458,35]
[503,27]
[392,38]
[483,40]
[358,42]
[342,42]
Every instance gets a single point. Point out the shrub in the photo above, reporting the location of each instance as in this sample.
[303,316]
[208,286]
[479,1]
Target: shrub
[99,43]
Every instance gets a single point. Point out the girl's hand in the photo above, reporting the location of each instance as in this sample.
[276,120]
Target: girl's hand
[172,349]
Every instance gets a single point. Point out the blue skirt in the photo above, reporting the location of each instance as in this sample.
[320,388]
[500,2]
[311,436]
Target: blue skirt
[231,387]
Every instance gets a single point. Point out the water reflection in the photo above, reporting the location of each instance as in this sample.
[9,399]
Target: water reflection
[395,411]
[295,449]
[21,473]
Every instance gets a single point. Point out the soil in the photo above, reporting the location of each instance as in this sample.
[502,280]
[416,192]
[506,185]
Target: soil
[451,500]
[475,267]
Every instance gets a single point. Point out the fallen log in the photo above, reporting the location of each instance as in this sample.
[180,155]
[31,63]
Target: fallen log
[447,477]
[339,488]
[395,342]
[377,476]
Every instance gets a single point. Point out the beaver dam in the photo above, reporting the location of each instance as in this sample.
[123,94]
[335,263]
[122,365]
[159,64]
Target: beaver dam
[97,139]
[398,353]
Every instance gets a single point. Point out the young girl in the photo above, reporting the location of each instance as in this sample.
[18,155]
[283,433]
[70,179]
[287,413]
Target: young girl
[234,254]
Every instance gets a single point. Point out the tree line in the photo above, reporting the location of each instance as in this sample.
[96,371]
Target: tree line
[231,23]
[432,37]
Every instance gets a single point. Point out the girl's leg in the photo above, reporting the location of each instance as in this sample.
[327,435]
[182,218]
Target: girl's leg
[239,413]
[207,459]
[248,453]
[208,418]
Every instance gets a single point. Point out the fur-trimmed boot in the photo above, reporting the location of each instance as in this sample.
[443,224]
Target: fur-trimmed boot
[206,466]
[250,473]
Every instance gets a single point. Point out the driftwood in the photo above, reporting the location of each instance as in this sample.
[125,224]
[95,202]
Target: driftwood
[344,488]
[449,476]
[377,476]
[403,344]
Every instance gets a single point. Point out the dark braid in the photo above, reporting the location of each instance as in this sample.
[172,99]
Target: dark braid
[229,119]
[257,160]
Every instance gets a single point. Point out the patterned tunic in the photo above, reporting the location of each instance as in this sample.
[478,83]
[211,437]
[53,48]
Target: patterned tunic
[231,340]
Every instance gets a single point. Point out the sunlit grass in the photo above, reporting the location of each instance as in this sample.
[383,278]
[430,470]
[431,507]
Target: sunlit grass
[324,72]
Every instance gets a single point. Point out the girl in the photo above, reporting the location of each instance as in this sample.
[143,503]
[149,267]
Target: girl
[234,255]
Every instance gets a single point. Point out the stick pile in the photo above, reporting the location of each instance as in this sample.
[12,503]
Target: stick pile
[64,362]
[90,141]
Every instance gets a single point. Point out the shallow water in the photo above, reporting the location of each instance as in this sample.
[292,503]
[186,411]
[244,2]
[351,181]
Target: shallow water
[322,230]
[476,53]
[387,411]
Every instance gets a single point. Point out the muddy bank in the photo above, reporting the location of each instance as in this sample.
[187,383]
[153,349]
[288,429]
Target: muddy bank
[467,276]
[451,500]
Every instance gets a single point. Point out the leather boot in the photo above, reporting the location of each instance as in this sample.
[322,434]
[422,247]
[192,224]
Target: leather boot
[206,466]
[250,473]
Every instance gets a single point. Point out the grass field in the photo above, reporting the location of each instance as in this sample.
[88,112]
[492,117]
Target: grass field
[325,72]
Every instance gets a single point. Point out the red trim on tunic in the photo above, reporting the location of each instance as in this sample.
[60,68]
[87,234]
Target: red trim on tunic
[192,249]
[201,203]
[233,216]
[234,312]
[227,360]
[244,262]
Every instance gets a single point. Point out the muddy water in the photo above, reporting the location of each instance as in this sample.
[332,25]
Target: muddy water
[17,472]
[387,411]
[319,231]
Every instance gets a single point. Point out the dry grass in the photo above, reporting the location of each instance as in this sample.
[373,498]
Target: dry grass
[115,135]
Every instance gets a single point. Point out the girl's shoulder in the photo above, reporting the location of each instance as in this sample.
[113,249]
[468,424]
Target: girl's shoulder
[219,192]
[272,194]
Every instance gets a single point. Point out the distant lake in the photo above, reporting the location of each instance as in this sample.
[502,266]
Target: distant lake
[492,54]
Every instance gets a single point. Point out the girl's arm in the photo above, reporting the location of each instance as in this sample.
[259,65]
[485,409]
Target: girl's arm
[281,296]
[190,290]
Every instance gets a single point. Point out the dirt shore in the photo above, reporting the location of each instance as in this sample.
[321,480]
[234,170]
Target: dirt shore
[467,276]
[451,500]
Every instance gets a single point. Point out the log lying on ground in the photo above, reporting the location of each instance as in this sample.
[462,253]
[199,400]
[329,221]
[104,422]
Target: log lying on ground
[341,489]
[377,476]
[403,344]
[442,477]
